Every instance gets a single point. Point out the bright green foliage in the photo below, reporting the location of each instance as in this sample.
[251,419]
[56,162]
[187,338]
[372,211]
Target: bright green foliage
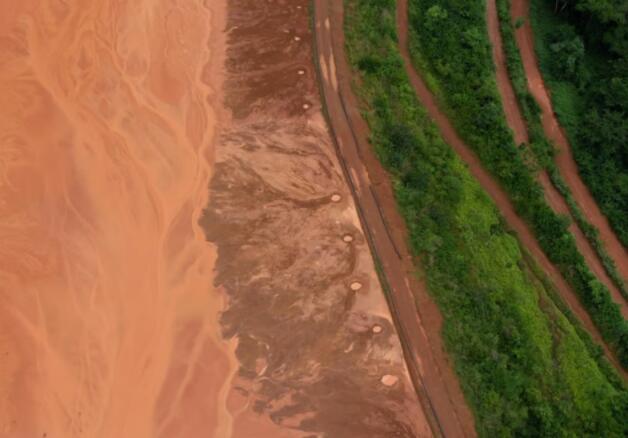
[457,56]
[526,370]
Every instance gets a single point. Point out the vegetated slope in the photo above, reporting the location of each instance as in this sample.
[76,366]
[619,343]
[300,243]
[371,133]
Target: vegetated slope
[523,366]
[415,312]
[616,265]
[494,190]
[582,48]
[553,197]
[450,44]
[565,164]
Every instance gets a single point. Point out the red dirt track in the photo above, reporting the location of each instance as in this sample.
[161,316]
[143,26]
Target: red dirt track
[487,182]
[518,125]
[416,315]
[564,159]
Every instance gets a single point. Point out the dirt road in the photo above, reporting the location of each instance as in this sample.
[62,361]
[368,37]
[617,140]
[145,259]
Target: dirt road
[564,159]
[552,195]
[108,319]
[317,351]
[417,316]
[509,98]
[503,203]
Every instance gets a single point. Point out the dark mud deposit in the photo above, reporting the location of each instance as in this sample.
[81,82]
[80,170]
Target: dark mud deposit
[317,358]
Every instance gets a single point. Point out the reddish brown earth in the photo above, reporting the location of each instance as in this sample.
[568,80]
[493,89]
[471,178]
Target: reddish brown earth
[552,195]
[109,321]
[499,196]
[318,354]
[117,317]
[564,159]
[418,320]
[509,98]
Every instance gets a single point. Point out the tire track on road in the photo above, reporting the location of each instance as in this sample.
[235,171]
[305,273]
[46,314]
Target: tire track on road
[518,125]
[418,323]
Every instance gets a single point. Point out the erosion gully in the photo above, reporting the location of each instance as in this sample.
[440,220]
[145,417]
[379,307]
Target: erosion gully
[499,196]
[565,160]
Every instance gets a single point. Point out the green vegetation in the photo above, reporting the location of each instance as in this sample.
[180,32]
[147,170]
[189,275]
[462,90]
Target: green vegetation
[452,49]
[591,233]
[541,146]
[526,370]
[582,47]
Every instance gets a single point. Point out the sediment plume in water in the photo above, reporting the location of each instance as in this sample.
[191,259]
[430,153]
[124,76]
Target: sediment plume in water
[108,317]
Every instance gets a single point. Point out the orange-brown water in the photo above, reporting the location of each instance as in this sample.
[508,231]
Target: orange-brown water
[108,320]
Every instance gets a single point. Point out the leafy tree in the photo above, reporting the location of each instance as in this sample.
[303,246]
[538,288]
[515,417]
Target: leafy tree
[567,54]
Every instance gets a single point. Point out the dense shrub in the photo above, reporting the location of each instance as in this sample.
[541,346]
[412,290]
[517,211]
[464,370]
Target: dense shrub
[591,103]
[542,149]
[457,57]
[525,369]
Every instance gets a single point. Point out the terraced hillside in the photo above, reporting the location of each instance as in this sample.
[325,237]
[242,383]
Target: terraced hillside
[487,301]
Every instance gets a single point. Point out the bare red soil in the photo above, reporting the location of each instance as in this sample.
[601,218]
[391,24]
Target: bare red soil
[509,98]
[503,203]
[416,315]
[518,125]
[564,160]
[117,317]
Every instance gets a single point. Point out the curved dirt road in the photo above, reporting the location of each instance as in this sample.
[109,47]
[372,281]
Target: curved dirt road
[503,203]
[417,317]
[107,315]
[564,159]
[509,98]
[552,195]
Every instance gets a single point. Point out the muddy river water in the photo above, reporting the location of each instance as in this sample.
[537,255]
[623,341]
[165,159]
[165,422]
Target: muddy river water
[108,311]
[179,252]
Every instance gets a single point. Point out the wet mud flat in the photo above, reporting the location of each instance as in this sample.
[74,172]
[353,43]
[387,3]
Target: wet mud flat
[318,354]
